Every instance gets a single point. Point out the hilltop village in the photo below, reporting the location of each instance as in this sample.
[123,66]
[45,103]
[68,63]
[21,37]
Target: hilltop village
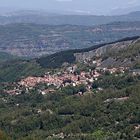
[62,79]
[70,76]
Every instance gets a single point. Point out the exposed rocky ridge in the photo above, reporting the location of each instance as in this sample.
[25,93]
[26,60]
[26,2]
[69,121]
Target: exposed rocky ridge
[80,57]
[111,54]
[87,54]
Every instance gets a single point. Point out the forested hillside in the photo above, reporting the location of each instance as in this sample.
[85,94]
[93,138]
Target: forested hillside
[109,110]
[69,69]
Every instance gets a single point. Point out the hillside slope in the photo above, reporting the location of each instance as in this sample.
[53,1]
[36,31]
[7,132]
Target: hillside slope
[81,55]
[105,107]
[120,53]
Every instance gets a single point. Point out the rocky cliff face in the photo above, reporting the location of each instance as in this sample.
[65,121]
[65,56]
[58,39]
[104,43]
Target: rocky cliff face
[120,54]
[108,53]
[115,47]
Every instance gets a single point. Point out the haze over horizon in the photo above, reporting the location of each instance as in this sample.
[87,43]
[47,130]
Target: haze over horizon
[93,7]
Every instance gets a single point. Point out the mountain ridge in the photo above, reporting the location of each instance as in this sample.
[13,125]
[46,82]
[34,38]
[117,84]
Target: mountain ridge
[35,67]
[78,55]
[54,19]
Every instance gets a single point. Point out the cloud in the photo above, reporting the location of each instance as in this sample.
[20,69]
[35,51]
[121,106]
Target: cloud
[132,2]
[82,11]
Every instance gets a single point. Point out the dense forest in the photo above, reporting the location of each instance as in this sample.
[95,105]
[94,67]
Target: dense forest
[111,114]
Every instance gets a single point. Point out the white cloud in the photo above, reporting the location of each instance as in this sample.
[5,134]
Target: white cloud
[82,11]
[132,2]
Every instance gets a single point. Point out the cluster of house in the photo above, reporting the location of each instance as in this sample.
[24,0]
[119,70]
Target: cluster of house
[113,70]
[62,79]
[135,72]
[15,91]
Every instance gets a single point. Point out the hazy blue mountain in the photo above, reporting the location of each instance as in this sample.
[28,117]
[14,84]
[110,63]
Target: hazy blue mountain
[56,19]
[123,11]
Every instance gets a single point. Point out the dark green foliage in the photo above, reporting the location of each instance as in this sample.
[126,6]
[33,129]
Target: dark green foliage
[86,117]
[56,60]
[113,81]
[5,56]
[98,115]
[16,69]
[4,136]
[70,90]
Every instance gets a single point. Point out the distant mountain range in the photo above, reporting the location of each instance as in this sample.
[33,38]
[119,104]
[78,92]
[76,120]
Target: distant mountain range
[40,17]
[32,40]
[123,11]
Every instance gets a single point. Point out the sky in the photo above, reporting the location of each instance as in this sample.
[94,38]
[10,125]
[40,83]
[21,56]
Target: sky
[97,7]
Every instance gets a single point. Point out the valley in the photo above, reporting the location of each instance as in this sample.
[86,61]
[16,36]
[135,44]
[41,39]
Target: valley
[69,70]
[95,96]
[32,41]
